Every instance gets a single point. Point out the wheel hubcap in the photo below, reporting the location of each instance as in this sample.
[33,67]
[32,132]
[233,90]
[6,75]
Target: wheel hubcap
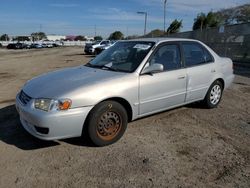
[109,125]
[215,94]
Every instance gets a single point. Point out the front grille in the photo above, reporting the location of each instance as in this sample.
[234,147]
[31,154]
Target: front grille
[24,98]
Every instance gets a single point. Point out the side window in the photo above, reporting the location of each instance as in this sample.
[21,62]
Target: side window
[194,54]
[208,57]
[167,55]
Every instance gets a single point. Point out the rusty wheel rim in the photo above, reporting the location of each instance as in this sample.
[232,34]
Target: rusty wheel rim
[109,125]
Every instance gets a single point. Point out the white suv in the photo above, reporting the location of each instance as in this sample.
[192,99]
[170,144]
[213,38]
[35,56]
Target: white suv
[90,47]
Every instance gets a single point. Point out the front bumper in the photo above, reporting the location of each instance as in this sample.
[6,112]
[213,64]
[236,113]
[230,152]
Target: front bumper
[59,124]
[89,50]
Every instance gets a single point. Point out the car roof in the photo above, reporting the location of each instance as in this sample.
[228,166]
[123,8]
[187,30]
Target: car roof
[165,39]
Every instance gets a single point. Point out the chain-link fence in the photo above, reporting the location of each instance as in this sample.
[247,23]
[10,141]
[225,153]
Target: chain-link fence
[231,41]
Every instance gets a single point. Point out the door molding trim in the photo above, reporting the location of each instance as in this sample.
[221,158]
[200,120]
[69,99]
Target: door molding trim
[160,98]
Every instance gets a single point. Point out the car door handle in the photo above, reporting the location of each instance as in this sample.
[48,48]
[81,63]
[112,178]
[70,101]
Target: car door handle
[213,70]
[181,77]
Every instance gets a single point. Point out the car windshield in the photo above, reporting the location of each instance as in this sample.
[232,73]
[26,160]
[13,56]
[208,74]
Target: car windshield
[122,56]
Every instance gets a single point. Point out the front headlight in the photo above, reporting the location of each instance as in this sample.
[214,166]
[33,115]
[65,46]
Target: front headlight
[51,104]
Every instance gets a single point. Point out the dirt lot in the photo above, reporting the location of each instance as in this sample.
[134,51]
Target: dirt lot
[185,147]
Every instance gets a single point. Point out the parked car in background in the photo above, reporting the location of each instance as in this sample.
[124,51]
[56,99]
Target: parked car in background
[130,80]
[44,45]
[16,46]
[90,48]
[55,45]
[1,45]
[49,45]
[36,45]
[99,49]
[11,46]
[27,46]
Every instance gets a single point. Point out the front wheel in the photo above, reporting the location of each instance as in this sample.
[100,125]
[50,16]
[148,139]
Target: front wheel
[106,123]
[214,94]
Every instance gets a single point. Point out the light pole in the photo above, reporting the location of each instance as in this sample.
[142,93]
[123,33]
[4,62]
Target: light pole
[145,24]
[95,30]
[165,2]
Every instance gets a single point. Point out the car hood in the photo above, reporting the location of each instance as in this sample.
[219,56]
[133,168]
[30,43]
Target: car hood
[60,83]
[97,45]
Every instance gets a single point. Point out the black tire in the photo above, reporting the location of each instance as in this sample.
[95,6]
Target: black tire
[208,101]
[106,123]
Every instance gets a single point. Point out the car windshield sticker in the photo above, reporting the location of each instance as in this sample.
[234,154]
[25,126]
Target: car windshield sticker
[142,46]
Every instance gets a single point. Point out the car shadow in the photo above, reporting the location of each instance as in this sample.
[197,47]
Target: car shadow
[79,141]
[12,133]
[80,54]
[196,105]
[77,54]
[89,56]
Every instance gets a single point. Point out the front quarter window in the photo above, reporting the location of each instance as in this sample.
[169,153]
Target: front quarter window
[124,56]
[167,55]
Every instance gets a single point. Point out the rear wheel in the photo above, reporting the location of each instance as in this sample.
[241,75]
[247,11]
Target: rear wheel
[214,94]
[107,123]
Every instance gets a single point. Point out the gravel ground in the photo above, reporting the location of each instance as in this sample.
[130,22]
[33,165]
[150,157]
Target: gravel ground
[185,147]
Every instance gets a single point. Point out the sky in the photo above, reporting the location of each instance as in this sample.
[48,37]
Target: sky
[87,17]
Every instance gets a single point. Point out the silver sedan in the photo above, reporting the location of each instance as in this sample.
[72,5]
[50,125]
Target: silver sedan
[129,80]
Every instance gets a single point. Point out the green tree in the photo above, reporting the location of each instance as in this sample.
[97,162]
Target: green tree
[203,21]
[244,14]
[239,14]
[80,37]
[4,37]
[199,21]
[212,20]
[117,35]
[174,27]
[38,36]
[98,38]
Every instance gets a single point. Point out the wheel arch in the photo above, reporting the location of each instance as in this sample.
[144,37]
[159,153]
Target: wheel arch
[121,101]
[221,81]
[124,103]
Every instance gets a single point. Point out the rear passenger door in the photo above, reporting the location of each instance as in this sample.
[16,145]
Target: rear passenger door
[200,70]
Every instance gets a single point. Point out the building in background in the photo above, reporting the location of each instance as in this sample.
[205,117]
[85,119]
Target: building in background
[70,38]
[89,38]
[56,37]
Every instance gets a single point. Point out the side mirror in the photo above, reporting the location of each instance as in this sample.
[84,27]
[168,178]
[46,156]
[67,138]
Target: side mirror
[153,69]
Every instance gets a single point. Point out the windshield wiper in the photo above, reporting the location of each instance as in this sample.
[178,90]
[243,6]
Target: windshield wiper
[109,68]
[104,67]
[101,67]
